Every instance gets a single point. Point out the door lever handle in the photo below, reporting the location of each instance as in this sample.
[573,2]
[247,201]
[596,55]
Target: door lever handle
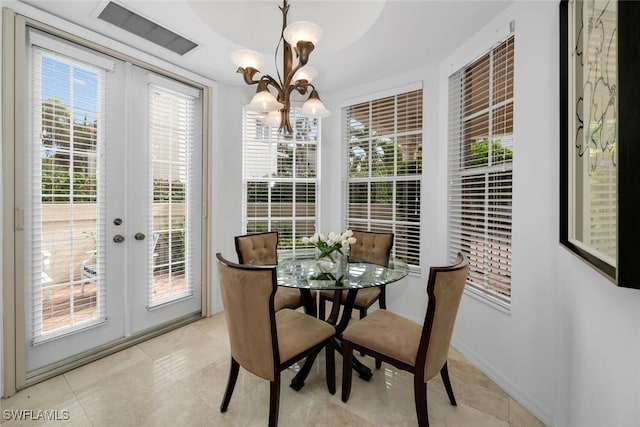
[139,236]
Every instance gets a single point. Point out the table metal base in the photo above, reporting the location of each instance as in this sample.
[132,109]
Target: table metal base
[310,308]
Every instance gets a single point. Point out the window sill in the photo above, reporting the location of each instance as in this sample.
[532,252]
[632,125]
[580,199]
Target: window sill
[487,299]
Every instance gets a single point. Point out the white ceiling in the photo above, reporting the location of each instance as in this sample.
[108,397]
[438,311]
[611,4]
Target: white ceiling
[364,40]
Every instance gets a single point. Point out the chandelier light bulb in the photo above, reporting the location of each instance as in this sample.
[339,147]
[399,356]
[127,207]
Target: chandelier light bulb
[314,107]
[246,58]
[273,119]
[305,73]
[302,31]
[263,102]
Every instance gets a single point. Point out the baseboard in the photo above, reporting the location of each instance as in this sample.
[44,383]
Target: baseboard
[524,398]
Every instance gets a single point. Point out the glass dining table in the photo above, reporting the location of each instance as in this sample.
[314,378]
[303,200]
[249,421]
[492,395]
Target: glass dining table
[304,274]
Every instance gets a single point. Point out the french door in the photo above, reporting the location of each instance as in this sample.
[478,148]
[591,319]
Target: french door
[113,178]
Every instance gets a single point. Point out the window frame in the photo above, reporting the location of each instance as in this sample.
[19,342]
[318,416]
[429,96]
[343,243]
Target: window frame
[369,224]
[493,271]
[271,136]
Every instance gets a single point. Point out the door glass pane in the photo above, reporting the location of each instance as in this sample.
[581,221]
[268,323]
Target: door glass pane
[171,137]
[67,287]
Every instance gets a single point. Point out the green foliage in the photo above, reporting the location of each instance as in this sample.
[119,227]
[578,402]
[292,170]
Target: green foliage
[480,153]
[165,190]
[56,185]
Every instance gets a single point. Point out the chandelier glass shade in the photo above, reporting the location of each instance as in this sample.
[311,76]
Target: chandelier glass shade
[299,38]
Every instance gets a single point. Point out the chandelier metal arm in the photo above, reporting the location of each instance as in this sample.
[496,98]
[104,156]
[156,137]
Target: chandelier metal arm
[247,74]
[285,84]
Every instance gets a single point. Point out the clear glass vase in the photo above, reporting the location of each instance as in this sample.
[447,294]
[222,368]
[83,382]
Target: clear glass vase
[333,266]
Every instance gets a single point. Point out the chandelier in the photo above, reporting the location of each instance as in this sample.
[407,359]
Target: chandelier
[303,36]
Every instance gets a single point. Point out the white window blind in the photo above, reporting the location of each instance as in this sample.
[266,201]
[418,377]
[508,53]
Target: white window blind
[280,178]
[65,212]
[383,144]
[481,170]
[172,136]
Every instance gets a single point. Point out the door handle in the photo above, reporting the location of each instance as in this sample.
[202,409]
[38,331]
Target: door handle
[139,236]
[118,238]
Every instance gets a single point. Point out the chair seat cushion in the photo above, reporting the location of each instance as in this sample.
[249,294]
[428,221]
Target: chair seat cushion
[298,331]
[387,333]
[287,298]
[364,298]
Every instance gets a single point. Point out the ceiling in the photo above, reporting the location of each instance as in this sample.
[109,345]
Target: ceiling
[364,40]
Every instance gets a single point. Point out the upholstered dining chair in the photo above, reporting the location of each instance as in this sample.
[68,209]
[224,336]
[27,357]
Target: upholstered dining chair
[261,249]
[263,341]
[369,247]
[419,349]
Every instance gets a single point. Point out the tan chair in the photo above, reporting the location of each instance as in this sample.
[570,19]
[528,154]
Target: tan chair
[261,249]
[371,247]
[419,349]
[262,341]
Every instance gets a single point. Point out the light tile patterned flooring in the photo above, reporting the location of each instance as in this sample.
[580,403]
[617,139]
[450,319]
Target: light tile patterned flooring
[178,379]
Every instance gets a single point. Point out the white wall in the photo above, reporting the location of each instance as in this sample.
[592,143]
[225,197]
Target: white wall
[518,349]
[569,350]
[226,187]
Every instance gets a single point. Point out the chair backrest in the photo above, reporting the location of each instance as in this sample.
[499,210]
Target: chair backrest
[247,297]
[371,247]
[444,289]
[257,249]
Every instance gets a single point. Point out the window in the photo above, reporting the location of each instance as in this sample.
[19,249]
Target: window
[280,178]
[172,210]
[383,142]
[68,113]
[481,170]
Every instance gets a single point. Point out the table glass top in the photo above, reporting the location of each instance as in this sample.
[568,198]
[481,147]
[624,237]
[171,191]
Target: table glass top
[303,273]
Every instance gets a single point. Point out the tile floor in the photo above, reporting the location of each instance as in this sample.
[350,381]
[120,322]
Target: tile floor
[178,379]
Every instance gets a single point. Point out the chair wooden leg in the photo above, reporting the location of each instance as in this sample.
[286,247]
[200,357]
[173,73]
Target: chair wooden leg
[420,396]
[274,401]
[233,376]
[331,366]
[347,369]
[444,373]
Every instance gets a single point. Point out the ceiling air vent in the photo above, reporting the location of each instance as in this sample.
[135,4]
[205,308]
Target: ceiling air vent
[140,26]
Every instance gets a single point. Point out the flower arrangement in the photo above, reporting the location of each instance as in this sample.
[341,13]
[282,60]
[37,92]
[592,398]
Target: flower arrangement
[334,242]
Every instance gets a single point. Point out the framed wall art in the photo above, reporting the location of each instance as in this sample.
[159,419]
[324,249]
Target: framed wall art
[600,135]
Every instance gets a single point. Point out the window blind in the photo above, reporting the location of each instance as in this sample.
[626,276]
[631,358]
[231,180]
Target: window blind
[66,213]
[480,169]
[172,136]
[383,152]
[280,178]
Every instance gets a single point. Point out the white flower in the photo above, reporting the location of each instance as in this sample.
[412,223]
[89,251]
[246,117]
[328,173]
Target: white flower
[347,234]
[333,238]
[345,243]
[314,239]
[306,240]
[322,237]
[351,240]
